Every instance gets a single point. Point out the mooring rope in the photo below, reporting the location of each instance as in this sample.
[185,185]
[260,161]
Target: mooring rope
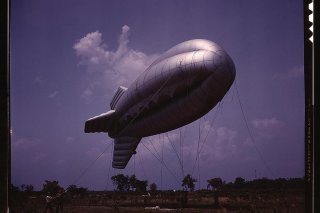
[90,165]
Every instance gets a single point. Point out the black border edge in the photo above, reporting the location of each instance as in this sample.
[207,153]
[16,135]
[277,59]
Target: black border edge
[316,69]
[309,110]
[5,176]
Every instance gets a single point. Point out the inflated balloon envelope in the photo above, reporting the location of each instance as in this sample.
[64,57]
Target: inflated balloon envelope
[182,85]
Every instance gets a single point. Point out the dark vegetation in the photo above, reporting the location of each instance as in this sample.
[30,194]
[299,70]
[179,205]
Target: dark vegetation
[132,195]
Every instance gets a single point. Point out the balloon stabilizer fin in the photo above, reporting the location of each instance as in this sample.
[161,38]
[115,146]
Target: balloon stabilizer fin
[100,123]
[124,148]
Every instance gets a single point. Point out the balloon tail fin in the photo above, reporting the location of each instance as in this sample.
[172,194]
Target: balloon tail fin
[124,148]
[100,123]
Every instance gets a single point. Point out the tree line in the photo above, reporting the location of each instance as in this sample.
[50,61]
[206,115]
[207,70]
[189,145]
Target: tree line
[125,183]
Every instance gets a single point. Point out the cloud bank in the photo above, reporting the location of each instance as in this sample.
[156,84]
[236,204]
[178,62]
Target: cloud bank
[110,67]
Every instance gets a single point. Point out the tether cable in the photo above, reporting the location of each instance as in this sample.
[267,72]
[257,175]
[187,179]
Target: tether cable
[176,152]
[86,169]
[162,162]
[205,139]
[250,133]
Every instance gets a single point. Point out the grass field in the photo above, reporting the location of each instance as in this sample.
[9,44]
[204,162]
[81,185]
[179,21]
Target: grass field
[264,201]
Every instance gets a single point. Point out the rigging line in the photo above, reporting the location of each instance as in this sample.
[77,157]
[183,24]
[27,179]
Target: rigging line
[159,145]
[134,165]
[181,151]
[155,149]
[211,125]
[180,142]
[198,154]
[85,170]
[210,129]
[250,133]
[233,92]
[174,148]
[142,167]
[158,141]
[161,159]
[162,162]
[150,142]
[203,122]
[176,152]
[109,170]
[198,144]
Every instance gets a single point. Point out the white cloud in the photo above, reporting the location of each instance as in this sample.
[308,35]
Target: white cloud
[221,144]
[268,127]
[115,68]
[268,123]
[39,80]
[294,72]
[24,143]
[87,94]
[70,139]
[224,143]
[53,94]
[90,49]
[38,159]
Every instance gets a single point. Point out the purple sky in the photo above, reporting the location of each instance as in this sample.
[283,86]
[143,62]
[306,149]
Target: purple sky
[68,58]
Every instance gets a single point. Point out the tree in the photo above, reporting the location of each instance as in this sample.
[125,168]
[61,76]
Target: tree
[72,189]
[122,182]
[188,182]
[51,186]
[14,189]
[23,187]
[215,183]
[28,189]
[153,187]
[133,182]
[239,182]
[125,183]
[141,185]
[137,185]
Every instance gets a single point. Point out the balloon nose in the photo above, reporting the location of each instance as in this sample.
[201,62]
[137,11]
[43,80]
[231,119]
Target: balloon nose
[220,64]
